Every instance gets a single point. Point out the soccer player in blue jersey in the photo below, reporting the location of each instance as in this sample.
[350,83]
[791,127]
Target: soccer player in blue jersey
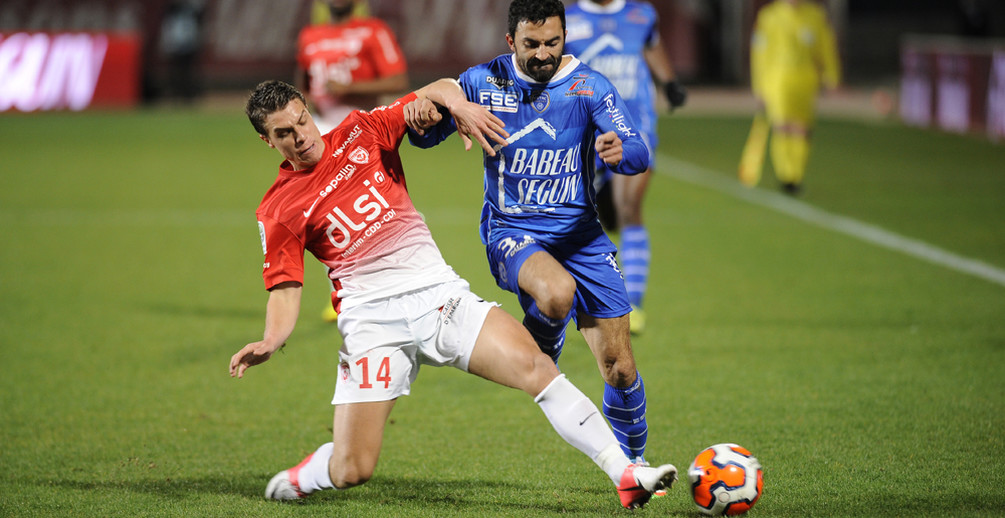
[620,39]
[539,220]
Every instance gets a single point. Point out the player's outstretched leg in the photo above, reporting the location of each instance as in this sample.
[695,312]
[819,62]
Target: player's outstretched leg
[505,354]
[575,419]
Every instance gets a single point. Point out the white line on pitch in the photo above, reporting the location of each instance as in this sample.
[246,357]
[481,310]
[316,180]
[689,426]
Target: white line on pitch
[869,233]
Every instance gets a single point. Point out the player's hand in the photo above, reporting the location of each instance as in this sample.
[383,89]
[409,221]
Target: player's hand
[473,120]
[421,114]
[249,356]
[609,148]
[676,94]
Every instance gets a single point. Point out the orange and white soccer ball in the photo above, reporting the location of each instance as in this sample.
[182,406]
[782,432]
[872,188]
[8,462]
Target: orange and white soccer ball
[725,479]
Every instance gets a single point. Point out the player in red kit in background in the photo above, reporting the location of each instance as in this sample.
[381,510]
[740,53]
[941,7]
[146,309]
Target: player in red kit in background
[348,63]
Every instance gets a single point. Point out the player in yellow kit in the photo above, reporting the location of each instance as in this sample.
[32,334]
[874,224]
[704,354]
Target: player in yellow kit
[793,54]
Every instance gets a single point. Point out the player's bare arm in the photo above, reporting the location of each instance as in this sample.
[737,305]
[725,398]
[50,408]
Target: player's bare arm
[608,148]
[472,119]
[280,318]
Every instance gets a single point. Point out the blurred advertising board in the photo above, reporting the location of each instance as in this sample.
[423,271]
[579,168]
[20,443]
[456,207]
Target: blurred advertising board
[230,44]
[60,71]
[953,84]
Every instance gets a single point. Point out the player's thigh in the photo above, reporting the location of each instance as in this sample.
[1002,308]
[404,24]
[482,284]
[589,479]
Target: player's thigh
[357,433]
[506,354]
[547,281]
[600,284]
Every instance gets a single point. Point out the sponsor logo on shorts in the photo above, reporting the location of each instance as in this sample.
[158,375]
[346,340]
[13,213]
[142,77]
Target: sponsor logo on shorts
[447,310]
[344,370]
[509,246]
[614,264]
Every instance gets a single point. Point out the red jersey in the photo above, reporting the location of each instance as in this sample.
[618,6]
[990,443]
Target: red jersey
[352,211]
[360,49]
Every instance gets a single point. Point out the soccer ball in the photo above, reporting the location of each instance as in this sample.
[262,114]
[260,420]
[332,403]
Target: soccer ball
[725,479]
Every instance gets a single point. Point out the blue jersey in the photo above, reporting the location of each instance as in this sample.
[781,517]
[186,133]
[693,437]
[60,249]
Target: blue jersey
[542,182]
[611,40]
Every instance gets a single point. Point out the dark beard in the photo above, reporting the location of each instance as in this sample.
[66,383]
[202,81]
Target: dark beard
[540,75]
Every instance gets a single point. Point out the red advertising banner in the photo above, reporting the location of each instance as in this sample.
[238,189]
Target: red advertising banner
[68,71]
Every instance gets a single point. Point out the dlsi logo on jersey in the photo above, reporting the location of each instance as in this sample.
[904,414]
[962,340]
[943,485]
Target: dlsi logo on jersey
[346,231]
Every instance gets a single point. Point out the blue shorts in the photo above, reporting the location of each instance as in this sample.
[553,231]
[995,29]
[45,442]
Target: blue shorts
[600,286]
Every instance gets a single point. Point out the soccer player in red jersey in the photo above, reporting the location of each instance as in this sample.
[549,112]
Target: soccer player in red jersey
[348,64]
[342,197]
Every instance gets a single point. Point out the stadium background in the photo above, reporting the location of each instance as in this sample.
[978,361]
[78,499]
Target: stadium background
[242,42]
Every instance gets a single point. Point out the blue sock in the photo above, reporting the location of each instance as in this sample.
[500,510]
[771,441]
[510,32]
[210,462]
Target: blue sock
[625,409]
[549,333]
[635,262]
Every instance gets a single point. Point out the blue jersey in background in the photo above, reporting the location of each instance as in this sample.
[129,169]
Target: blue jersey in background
[611,40]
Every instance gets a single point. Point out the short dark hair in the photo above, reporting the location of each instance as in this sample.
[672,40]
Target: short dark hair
[267,98]
[534,11]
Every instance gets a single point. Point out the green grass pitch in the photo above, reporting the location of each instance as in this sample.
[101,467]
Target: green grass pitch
[867,381]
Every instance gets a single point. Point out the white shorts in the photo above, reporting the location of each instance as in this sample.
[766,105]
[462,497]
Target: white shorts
[385,341]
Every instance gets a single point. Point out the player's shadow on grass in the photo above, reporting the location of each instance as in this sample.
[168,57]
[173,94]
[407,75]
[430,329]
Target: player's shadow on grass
[480,496]
[247,484]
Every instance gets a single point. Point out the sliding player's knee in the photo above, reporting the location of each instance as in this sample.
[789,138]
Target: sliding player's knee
[540,371]
[350,473]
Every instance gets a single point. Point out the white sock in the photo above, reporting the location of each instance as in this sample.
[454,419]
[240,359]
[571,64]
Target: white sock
[314,475]
[580,423]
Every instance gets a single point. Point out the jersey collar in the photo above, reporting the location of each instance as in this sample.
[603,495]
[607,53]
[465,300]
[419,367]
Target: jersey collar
[591,7]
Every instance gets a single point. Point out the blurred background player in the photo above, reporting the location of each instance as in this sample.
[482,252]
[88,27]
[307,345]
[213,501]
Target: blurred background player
[539,222]
[792,55]
[403,306]
[347,61]
[621,40]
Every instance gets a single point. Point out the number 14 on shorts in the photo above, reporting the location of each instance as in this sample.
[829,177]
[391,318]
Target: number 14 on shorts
[383,374]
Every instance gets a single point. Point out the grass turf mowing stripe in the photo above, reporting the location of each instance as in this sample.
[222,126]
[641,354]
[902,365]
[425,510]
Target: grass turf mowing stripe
[697,175]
